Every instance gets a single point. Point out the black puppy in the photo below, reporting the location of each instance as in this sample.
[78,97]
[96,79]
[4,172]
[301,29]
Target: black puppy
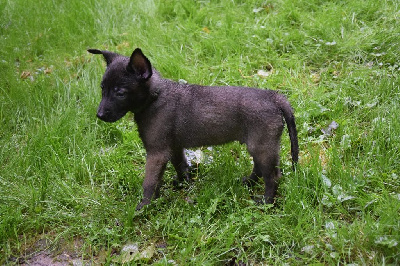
[172,116]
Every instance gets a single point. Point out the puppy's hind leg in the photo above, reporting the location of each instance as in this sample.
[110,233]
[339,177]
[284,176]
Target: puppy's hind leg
[251,180]
[267,160]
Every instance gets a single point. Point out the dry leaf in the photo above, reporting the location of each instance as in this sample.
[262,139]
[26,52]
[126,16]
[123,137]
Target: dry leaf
[123,45]
[148,253]
[25,74]
[206,30]
[263,73]
[315,77]
[128,253]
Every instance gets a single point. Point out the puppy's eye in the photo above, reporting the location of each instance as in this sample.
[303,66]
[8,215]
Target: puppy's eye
[120,92]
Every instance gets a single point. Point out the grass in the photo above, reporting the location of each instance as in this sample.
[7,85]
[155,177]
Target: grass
[74,181]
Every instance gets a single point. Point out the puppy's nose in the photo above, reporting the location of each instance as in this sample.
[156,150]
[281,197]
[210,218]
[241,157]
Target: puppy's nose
[101,115]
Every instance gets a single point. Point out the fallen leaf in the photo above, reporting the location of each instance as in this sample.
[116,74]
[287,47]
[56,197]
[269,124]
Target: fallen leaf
[148,253]
[189,200]
[129,253]
[182,81]
[385,241]
[257,10]
[330,225]
[123,45]
[315,77]
[372,104]
[334,255]
[268,8]
[326,181]
[336,74]
[330,43]
[346,141]
[25,74]
[308,249]
[206,30]
[329,130]
[197,157]
[263,73]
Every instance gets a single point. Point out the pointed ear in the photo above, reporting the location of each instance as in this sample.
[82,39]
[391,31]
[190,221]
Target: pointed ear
[140,65]
[108,56]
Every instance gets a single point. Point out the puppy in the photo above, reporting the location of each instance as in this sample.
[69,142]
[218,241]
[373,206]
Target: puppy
[171,117]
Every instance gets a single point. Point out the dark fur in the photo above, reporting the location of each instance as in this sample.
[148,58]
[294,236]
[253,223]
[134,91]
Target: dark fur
[172,116]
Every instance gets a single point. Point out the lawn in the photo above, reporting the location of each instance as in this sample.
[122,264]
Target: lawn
[69,183]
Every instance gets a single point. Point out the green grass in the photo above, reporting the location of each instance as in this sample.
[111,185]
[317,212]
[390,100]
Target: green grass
[69,178]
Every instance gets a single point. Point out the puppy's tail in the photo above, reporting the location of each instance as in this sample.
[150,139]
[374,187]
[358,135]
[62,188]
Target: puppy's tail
[288,114]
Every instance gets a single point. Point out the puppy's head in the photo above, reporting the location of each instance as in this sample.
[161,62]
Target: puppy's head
[124,85]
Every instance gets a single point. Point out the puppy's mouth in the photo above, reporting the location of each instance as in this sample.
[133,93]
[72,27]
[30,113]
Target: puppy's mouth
[109,117]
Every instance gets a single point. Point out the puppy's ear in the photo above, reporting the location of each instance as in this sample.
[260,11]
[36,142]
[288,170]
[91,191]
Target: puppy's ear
[140,65]
[108,56]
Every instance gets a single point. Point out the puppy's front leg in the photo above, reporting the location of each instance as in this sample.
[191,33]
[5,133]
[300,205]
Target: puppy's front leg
[155,166]
[181,166]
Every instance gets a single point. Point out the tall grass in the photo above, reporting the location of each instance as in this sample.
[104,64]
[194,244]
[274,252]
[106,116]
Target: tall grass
[66,176]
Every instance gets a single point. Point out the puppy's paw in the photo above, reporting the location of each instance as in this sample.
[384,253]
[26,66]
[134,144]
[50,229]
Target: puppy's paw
[179,183]
[261,200]
[143,203]
[176,183]
[249,181]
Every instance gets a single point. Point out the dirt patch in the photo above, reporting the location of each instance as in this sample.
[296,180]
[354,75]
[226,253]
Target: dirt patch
[50,250]
[46,252]
[45,258]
